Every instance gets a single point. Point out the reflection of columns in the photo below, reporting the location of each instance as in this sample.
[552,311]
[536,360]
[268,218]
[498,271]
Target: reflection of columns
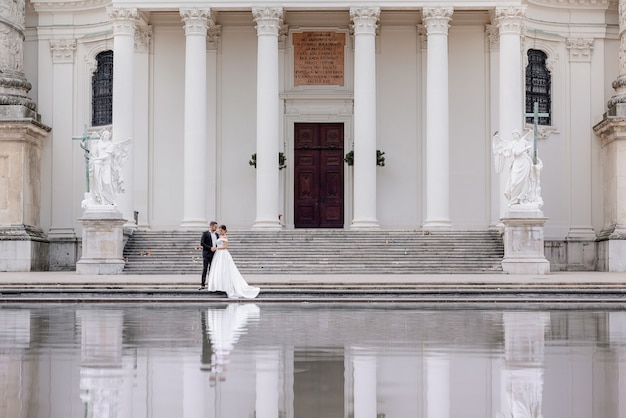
[437,370]
[106,387]
[436,22]
[268,23]
[124,21]
[62,225]
[195,136]
[364,20]
[524,357]
[364,367]
[267,394]
[509,22]
[15,384]
[617,338]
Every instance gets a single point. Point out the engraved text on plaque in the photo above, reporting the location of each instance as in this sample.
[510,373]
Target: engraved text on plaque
[318,58]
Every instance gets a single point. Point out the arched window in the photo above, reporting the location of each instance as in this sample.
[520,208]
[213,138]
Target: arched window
[538,83]
[102,90]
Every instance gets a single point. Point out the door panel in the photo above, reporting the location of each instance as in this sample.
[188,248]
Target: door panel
[318,175]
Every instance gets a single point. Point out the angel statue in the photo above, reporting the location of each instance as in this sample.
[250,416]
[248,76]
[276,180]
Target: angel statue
[105,170]
[523,185]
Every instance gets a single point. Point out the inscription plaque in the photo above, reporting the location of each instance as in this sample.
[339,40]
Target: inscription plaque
[318,58]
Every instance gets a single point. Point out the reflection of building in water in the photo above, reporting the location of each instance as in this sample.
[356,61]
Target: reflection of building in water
[15,373]
[155,362]
[105,379]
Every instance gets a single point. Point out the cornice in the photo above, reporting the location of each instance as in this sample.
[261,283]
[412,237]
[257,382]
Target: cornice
[77,5]
[583,4]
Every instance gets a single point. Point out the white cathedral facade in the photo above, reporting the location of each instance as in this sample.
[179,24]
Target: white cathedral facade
[269,115]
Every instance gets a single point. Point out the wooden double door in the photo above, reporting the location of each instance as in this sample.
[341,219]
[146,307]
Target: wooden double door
[318,175]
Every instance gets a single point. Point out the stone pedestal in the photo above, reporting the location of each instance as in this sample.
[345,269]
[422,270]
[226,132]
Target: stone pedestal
[103,241]
[612,239]
[523,242]
[23,245]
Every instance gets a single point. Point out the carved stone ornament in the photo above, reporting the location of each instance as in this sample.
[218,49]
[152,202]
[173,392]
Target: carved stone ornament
[364,19]
[437,19]
[268,20]
[197,21]
[509,19]
[62,50]
[580,49]
[123,20]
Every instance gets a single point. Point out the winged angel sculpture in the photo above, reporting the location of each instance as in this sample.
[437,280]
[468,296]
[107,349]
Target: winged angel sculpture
[105,170]
[523,184]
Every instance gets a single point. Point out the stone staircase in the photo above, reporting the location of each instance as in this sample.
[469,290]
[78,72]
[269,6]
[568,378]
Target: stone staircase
[322,251]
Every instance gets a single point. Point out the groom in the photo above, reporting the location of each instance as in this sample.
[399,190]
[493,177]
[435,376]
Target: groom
[207,243]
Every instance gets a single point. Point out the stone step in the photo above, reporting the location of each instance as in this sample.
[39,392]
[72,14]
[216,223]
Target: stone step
[322,252]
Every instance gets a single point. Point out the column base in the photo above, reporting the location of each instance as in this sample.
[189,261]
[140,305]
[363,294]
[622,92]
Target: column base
[103,241]
[64,253]
[364,224]
[194,225]
[444,225]
[523,242]
[23,248]
[267,225]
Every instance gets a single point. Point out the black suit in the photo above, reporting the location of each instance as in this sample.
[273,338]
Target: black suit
[207,254]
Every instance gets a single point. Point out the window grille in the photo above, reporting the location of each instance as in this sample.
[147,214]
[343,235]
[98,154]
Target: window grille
[538,86]
[102,90]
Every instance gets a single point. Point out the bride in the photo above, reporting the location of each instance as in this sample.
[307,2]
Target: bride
[224,275]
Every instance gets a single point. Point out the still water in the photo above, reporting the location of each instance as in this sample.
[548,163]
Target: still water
[309,360]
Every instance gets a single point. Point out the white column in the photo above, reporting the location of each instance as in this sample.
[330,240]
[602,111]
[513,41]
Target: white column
[437,369]
[580,145]
[364,366]
[124,21]
[365,21]
[195,129]
[511,95]
[268,22]
[62,225]
[267,393]
[436,22]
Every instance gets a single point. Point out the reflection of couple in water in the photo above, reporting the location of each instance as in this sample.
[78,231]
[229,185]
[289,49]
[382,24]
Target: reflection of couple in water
[222,328]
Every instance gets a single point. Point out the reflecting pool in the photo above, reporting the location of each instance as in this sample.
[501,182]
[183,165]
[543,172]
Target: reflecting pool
[309,360]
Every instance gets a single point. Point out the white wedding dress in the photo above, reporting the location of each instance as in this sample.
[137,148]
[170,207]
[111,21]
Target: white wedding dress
[224,275]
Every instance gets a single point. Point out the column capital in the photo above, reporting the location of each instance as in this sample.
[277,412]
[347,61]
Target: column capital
[579,49]
[364,19]
[509,19]
[62,50]
[143,37]
[437,19]
[197,21]
[124,20]
[268,20]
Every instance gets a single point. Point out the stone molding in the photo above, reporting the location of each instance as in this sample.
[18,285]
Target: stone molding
[197,21]
[12,13]
[124,20]
[62,50]
[268,20]
[509,20]
[571,3]
[579,49]
[365,19]
[437,20]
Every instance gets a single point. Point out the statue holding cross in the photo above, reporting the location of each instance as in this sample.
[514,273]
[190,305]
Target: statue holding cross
[103,168]
[519,154]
